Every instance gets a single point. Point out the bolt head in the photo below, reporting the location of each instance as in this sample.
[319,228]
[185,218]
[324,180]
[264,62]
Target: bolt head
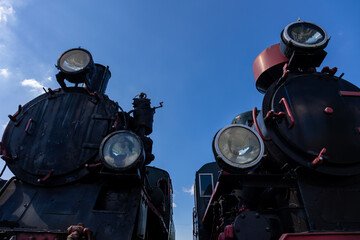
[329,110]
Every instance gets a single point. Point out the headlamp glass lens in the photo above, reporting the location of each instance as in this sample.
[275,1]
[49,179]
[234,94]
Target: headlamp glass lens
[74,60]
[306,33]
[239,145]
[122,150]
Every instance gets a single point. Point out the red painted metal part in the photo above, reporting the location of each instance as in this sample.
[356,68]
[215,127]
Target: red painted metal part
[154,210]
[93,165]
[52,92]
[257,125]
[288,111]
[94,94]
[3,153]
[243,209]
[80,231]
[321,236]
[167,190]
[116,121]
[42,180]
[350,94]
[158,182]
[221,236]
[285,71]
[229,232]
[212,196]
[329,110]
[272,114]
[13,117]
[267,59]
[319,159]
[329,71]
[36,236]
[28,126]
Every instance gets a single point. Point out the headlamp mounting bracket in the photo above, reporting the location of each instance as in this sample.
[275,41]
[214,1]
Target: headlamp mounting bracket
[305,60]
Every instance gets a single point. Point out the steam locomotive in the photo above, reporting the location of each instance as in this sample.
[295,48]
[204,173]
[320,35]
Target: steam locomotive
[292,169]
[80,163]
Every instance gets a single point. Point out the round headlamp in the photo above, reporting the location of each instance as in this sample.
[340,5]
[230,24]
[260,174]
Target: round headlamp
[75,61]
[303,36]
[238,147]
[121,150]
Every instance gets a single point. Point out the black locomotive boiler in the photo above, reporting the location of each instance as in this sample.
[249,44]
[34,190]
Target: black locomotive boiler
[290,170]
[80,163]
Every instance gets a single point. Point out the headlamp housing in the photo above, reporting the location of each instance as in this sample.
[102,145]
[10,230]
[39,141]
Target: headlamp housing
[243,118]
[122,150]
[303,36]
[77,66]
[237,147]
[303,43]
[301,47]
[75,63]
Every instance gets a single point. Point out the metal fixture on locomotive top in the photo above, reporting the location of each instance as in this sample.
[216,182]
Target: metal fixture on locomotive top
[291,170]
[80,163]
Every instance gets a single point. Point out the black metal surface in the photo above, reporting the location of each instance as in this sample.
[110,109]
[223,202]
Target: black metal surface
[65,133]
[60,186]
[308,95]
[309,178]
[243,118]
[331,204]
[99,79]
[251,225]
[308,181]
[108,209]
[229,182]
[143,115]
[161,191]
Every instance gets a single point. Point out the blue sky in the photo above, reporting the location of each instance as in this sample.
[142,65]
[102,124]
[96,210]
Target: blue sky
[194,55]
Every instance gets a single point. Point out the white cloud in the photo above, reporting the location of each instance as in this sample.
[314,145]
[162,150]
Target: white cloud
[174,205]
[4,72]
[190,190]
[6,10]
[8,38]
[3,126]
[34,85]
